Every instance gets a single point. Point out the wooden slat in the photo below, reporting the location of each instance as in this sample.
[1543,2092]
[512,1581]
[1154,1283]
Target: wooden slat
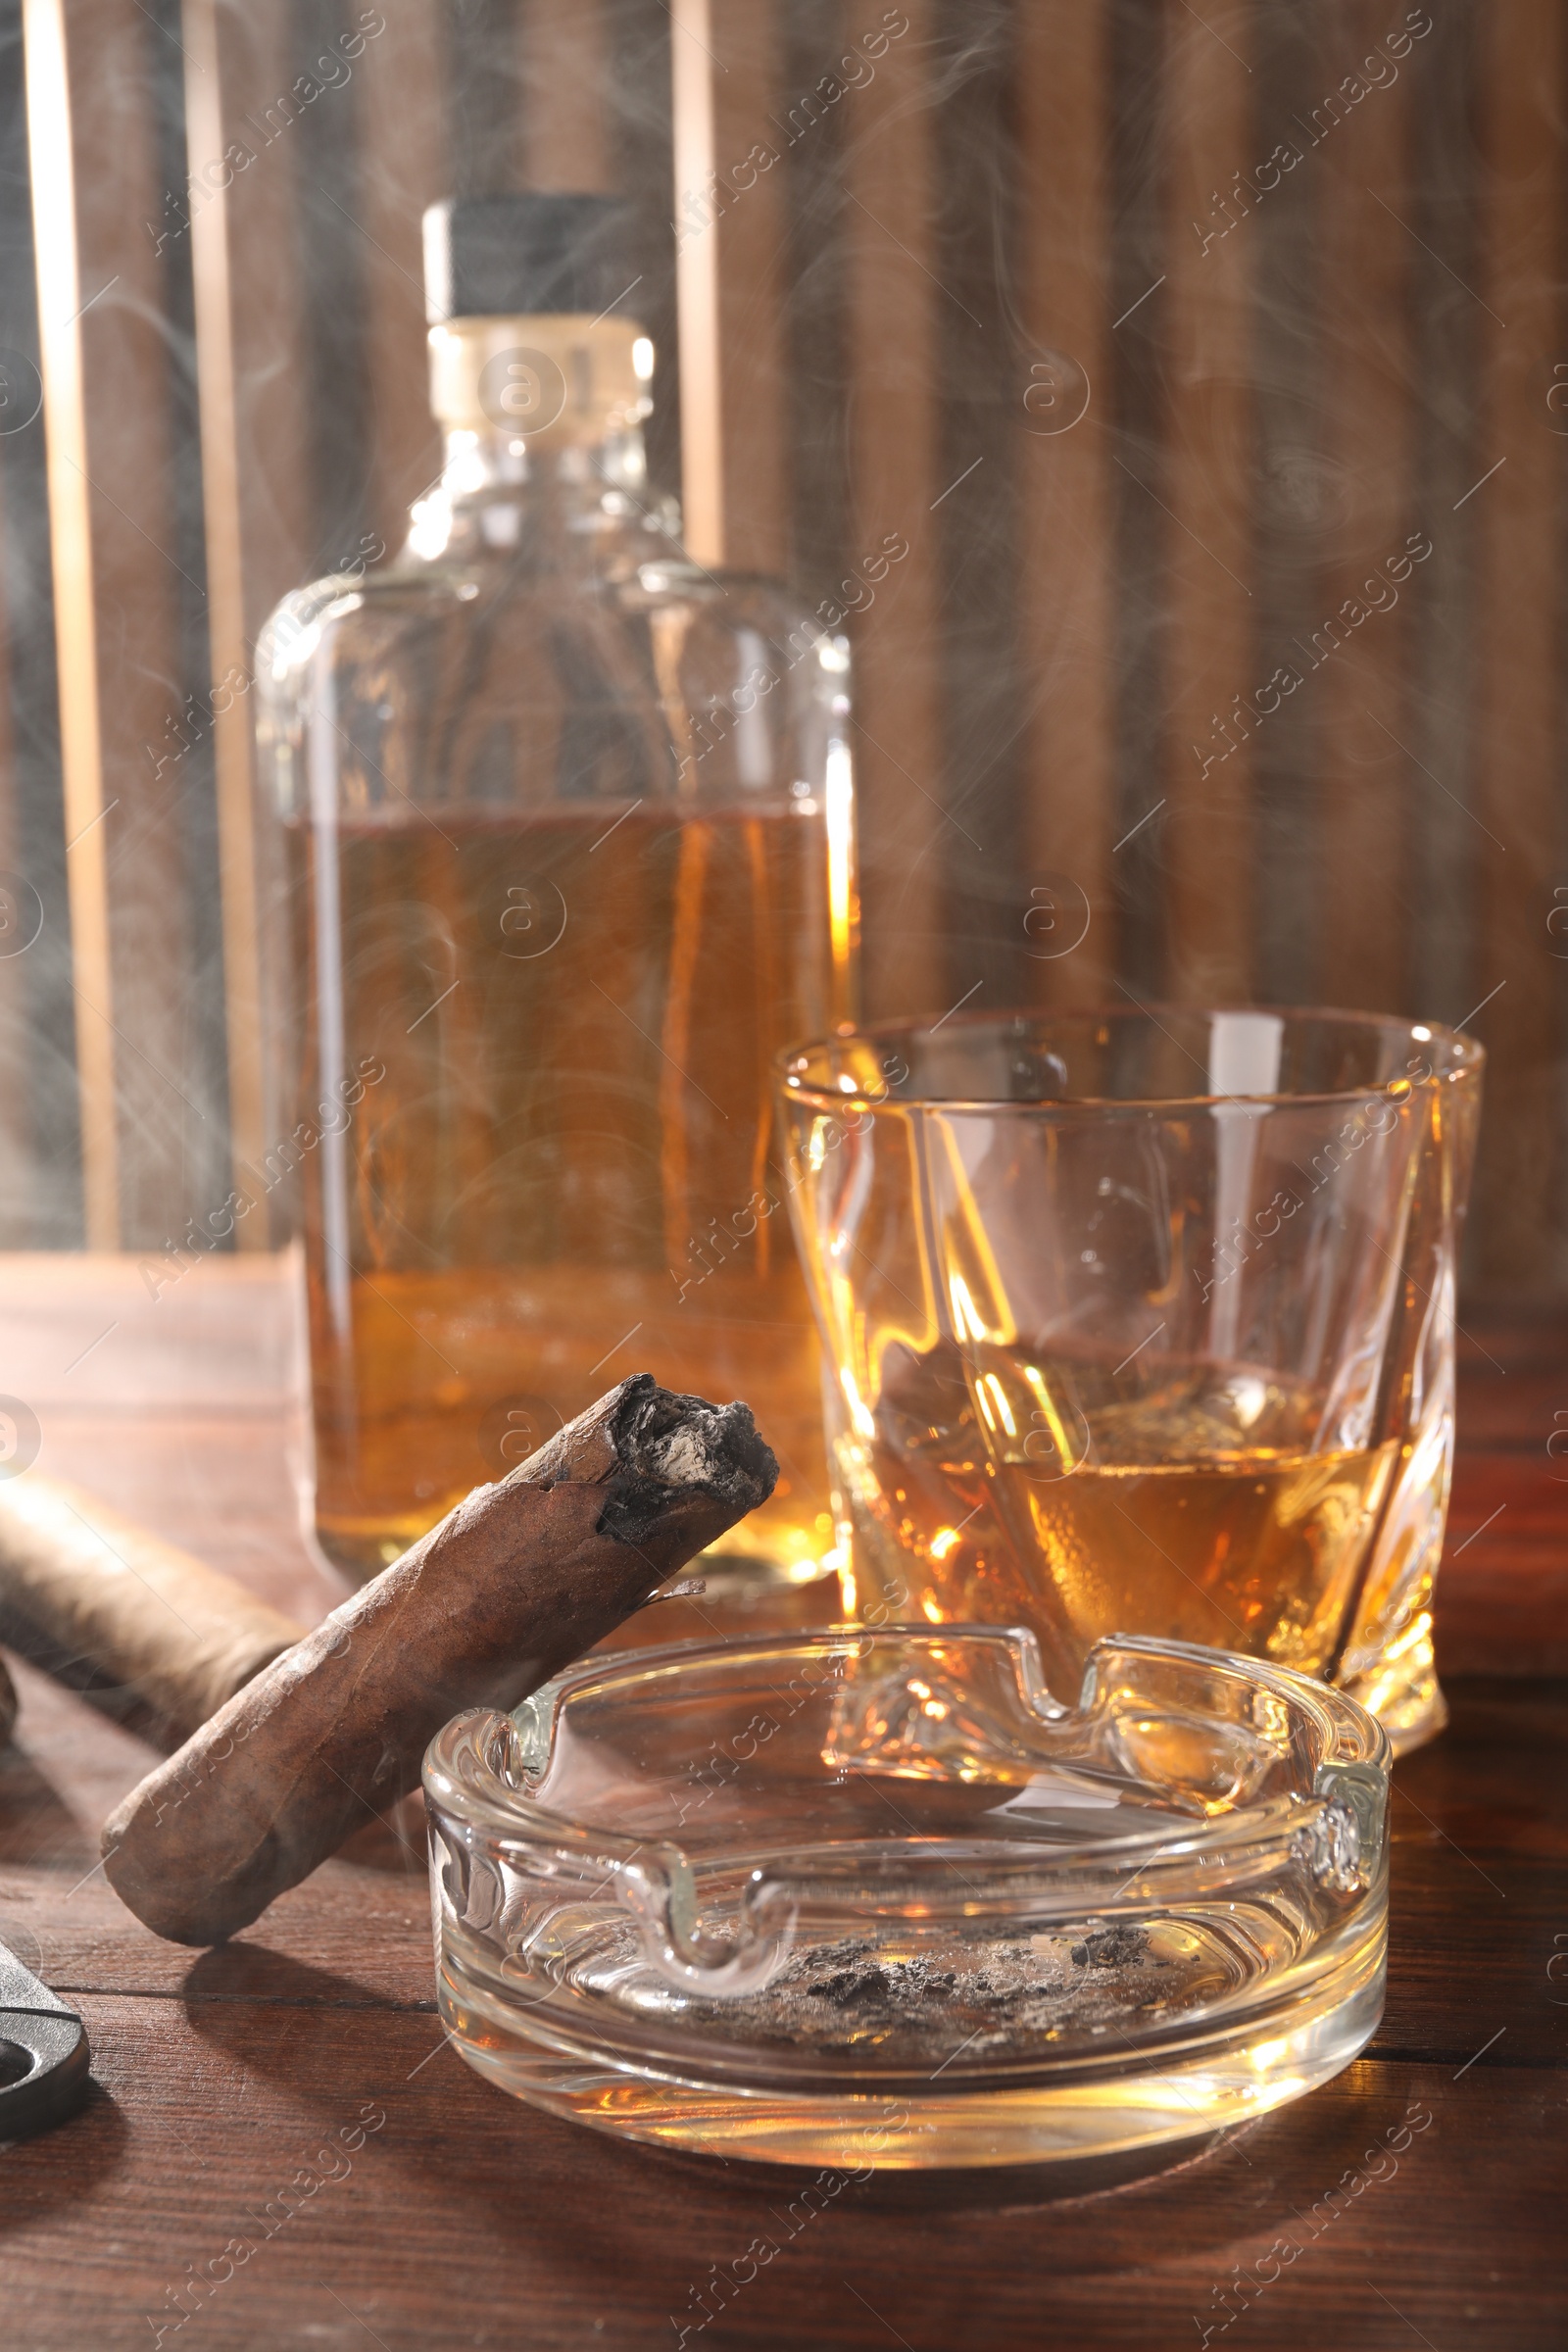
[1363,196]
[1447,318]
[730,226]
[402,167]
[1210,631]
[1292,502]
[566,66]
[484,96]
[1066,602]
[17,1125]
[229,648]
[76,621]
[890,334]
[96,189]
[1518,714]
[250,382]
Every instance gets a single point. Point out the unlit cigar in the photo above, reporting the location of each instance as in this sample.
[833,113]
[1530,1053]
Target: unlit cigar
[515,1583]
[141,1627]
[8,1704]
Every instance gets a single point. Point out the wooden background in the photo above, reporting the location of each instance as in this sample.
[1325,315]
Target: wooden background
[1028,281]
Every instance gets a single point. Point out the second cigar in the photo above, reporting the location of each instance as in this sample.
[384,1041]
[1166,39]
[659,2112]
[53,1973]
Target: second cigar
[146,1633]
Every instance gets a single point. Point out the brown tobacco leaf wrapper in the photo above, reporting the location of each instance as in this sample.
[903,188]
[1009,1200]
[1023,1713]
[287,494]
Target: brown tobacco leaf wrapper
[147,1633]
[515,1583]
[8,1704]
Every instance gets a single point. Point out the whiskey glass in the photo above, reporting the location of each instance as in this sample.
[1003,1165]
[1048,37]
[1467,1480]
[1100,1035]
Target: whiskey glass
[1142,1322]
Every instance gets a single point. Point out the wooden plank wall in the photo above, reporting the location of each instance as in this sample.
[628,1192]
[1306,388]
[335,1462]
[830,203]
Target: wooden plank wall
[1153,333]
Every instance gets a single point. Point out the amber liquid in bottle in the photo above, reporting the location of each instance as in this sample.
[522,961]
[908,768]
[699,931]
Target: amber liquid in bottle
[567,1172]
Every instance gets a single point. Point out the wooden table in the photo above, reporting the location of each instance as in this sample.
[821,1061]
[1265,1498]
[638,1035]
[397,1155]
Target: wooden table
[414,2207]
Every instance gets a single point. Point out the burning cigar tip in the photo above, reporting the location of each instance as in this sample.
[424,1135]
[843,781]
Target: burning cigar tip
[651,1449]
[669,1448]
[685,1441]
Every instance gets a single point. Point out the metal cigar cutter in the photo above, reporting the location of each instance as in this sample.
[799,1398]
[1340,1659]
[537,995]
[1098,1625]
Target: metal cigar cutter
[44,2056]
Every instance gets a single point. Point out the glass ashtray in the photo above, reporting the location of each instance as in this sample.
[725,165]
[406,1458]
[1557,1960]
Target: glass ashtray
[849,1896]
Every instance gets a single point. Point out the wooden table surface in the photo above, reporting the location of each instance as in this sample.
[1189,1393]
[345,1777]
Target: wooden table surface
[412,2206]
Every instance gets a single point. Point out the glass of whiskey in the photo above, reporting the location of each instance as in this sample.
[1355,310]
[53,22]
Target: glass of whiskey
[1142,1322]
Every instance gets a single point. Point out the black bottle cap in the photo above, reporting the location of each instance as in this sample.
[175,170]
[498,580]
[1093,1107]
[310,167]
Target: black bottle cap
[498,256]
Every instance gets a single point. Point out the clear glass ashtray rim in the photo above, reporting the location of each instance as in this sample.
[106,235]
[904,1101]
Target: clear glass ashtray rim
[466,1786]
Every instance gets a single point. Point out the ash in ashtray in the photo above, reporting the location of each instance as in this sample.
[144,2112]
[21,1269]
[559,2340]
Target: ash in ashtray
[851,1988]
[988,1996]
[1110,1948]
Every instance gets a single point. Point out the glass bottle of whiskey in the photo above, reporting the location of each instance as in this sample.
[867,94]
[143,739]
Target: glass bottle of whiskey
[566,856]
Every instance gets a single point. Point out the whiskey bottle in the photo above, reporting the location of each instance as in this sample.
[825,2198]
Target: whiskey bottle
[563,856]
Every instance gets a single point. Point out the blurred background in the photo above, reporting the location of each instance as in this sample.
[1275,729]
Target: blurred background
[1212,367]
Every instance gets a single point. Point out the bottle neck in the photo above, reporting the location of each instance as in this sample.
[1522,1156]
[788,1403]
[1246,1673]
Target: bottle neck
[542,418]
[493,464]
[496,492]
